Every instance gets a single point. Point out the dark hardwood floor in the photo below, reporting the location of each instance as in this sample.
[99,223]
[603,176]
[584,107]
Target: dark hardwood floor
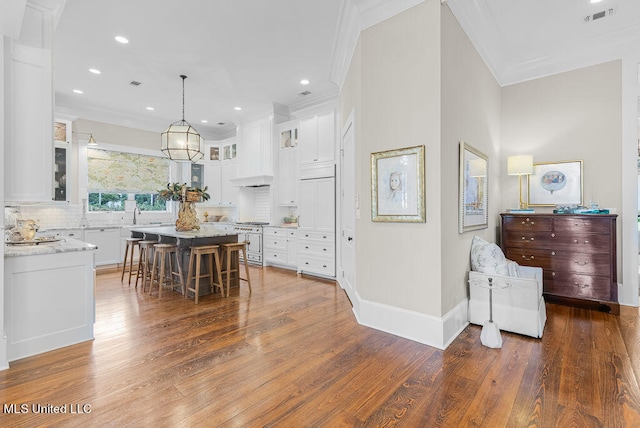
[291,355]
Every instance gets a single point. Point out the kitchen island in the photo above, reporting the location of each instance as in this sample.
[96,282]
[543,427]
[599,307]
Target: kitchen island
[48,297]
[186,240]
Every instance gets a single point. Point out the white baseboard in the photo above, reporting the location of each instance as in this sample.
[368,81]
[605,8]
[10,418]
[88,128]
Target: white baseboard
[428,329]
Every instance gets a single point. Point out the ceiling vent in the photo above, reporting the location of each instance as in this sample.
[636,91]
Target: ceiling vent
[221,123]
[134,83]
[305,93]
[599,15]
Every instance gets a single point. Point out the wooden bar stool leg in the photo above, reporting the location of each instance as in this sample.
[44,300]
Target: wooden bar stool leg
[153,272]
[197,273]
[189,273]
[140,267]
[216,257]
[161,274]
[124,264]
[246,267]
[228,272]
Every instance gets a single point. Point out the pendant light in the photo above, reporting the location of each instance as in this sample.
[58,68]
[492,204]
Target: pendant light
[181,142]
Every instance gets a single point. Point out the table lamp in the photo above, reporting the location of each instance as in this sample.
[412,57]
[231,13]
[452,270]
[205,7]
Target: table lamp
[520,165]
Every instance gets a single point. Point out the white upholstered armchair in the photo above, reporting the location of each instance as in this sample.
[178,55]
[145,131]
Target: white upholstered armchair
[518,304]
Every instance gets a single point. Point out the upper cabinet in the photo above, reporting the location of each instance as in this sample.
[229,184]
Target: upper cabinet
[62,134]
[220,168]
[255,153]
[317,139]
[287,171]
[29,148]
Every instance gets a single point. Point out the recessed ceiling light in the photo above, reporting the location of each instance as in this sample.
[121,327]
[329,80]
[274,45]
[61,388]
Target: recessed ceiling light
[204,121]
[122,40]
[150,108]
[596,1]
[237,108]
[78,91]
[304,81]
[95,71]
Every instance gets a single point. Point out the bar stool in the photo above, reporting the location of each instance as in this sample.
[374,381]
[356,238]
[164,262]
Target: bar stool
[132,243]
[163,262]
[232,252]
[197,253]
[144,263]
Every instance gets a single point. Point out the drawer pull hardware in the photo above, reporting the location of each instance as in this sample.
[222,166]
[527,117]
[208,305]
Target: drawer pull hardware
[553,253]
[528,258]
[553,274]
[528,223]
[553,235]
[524,238]
[580,285]
[581,263]
[575,241]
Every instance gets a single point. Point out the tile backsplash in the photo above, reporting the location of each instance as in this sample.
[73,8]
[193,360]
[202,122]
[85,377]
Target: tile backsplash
[70,215]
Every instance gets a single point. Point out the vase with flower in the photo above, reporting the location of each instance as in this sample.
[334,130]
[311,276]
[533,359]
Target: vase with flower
[187,197]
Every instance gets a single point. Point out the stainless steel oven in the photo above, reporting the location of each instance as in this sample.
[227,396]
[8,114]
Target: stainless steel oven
[251,233]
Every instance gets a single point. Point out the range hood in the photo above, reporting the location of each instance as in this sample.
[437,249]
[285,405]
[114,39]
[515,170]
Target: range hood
[252,181]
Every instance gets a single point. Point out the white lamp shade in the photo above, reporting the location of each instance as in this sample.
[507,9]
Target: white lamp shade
[181,142]
[520,165]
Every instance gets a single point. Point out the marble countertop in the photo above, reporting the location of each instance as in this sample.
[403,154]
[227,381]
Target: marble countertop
[63,246]
[207,232]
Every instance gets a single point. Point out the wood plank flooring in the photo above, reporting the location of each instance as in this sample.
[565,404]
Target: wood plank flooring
[292,355]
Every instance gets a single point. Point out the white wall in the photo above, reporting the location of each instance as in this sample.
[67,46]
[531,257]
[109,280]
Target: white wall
[570,116]
[394,85]
[471,109]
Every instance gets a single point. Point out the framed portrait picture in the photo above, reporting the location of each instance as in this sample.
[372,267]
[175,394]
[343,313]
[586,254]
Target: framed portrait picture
[397,185]
[555,183]
[229,152]
[473,204]
[214,153]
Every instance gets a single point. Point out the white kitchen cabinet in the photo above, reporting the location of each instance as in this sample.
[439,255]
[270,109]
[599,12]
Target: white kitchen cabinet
[108,242]
[317,205]
[62,134]
[280,247]
[317,139]
[28,160]
[217,176]
[228,192]
[316,227]
[287,176]
[255,154]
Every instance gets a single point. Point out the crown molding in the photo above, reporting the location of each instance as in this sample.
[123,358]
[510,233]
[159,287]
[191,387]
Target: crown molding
[355,16]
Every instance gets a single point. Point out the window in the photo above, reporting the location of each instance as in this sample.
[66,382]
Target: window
[114,177]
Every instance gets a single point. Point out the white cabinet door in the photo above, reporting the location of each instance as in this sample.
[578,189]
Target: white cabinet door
[317,138]
[213,179]
[325,205]
[255,153]
[28,161]
[108,242]
[228,192]
[317,205]
[287,177]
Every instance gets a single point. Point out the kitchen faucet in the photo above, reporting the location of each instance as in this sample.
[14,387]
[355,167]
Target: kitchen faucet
[134,214]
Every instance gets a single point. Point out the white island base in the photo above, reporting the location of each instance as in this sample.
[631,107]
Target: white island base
[48,301]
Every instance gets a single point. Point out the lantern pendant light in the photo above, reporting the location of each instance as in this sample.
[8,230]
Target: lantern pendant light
[181,142]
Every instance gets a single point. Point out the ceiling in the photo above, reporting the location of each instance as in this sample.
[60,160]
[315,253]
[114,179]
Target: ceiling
[522,40]
[253,53]
[240,53]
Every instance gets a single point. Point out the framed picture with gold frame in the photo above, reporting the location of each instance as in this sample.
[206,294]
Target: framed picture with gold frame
[555,183]
[473,204]
[397,185]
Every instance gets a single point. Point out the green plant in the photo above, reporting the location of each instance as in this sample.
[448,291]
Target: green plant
[177,192]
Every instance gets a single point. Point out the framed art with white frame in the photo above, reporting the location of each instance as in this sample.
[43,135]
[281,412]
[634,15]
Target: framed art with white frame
[473,205]
[555,183]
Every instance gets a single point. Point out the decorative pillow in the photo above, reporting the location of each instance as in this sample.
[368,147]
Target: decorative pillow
[489,258]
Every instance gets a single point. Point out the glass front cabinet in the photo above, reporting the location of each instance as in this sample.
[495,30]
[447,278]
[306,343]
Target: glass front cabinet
[61,167]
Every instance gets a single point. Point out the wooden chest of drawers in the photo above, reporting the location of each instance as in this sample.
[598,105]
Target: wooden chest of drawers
[576,252]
